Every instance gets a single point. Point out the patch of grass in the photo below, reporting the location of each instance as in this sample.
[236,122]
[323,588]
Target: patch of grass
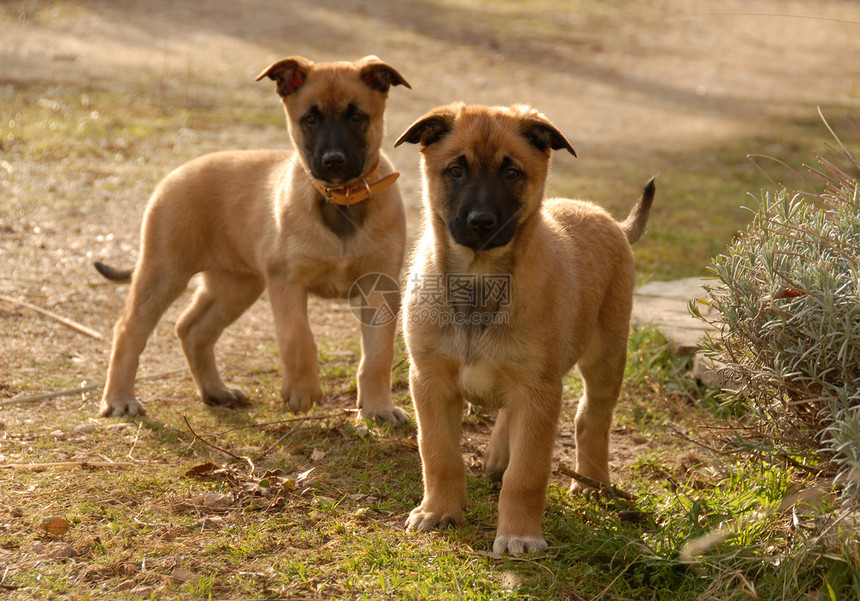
[339,533]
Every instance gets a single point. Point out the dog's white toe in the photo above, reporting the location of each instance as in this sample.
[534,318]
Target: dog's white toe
[518,544]
[392,415]
[300,400]
[425,521]
[120,408]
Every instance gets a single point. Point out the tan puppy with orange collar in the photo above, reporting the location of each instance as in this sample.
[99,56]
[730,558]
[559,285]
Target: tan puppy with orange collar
[507,292]
[310,222]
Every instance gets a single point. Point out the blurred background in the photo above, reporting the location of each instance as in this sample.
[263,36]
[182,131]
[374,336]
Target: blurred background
[98,100]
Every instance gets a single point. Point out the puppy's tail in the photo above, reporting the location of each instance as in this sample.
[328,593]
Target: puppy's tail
[634,225]
[121,276]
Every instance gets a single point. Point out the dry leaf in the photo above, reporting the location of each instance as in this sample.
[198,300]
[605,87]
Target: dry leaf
[84,429]
[125,585]
[54,526]
[304,475]
[143,591]
[212,522]
[63,551]
[201,470]
[317,455]
[216,499]
[182,575]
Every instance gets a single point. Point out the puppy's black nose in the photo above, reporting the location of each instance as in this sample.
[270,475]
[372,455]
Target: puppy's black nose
[333,159]
[481,222]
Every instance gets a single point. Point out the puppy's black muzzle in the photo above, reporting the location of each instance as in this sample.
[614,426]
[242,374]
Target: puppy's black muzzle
[485,217]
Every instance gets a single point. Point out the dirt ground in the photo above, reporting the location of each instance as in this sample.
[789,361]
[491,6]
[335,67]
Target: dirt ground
[630,81]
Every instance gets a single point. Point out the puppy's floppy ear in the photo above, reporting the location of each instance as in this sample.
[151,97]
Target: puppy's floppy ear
[430,128]
[542,134]
[289,73]
[378,75]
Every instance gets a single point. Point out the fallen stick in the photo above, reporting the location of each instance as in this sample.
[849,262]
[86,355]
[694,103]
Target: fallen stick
[197,437]
[72,391]
[601,486]
[289,420]
[35,466]
[266,451]
[59,318]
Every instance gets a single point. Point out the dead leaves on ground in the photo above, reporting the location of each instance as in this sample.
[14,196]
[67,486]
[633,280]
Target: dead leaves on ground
[270,491]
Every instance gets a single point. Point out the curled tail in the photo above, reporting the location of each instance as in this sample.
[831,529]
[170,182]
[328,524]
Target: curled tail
[122,276]
[634,225]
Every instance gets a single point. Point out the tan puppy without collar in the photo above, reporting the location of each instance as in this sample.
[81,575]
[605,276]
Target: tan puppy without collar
[507,292]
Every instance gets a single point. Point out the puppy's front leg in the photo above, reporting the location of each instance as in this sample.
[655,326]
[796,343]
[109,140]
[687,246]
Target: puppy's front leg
[532,418]
[439,408]
[301,388]
[374,374]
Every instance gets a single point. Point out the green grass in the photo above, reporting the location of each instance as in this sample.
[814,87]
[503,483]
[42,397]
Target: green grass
[339,532]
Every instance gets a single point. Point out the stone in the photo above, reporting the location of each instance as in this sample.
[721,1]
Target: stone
[665,306]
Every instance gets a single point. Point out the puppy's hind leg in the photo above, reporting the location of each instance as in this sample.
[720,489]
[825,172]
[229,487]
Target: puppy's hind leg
[219,301]
[602,370]
[499,448]
[152,291]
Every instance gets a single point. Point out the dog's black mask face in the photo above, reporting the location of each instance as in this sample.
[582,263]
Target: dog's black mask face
[334,143]
[482,203]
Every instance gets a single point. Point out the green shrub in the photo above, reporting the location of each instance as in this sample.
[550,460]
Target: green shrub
[788,306]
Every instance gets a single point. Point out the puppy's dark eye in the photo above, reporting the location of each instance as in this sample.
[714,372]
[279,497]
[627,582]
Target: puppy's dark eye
[513,174]
[358,117]
[309,119]
[455,171]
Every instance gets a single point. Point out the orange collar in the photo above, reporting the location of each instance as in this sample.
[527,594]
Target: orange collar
[358,192]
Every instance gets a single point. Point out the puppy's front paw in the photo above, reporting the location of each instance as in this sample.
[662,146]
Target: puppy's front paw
[226,397]
[120,407]
[518,544]
[424,521]
[301,398]
[392,415]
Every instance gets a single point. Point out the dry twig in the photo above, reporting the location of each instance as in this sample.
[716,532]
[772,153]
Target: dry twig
[248,460]
[72,391]
[59,318]
[35,466]
[601,486]
[266,451]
